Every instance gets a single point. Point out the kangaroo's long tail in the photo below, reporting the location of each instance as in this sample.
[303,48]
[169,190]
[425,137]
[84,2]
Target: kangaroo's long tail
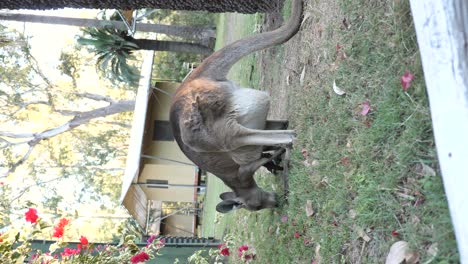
[217,66]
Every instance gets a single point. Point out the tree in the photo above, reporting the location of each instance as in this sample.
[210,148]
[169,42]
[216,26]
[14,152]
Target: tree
[83,139]
[241,6]
[186,32]
[115,47]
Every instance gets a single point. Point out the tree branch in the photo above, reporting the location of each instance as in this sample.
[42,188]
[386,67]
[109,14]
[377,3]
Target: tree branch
[97,97]
[14,166]
[25,105]
[22,192]
[78,120]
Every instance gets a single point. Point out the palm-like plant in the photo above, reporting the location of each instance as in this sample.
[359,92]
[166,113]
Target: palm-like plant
[113,48]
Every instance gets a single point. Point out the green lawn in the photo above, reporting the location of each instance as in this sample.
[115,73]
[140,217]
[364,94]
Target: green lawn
[368,177]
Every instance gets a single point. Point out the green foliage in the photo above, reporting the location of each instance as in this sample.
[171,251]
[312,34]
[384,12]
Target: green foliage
[113,48]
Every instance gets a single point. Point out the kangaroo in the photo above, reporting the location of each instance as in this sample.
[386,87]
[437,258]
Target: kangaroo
[221,126]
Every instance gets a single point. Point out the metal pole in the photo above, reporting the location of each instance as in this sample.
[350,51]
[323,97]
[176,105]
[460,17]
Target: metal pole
[166,159]
[169,185]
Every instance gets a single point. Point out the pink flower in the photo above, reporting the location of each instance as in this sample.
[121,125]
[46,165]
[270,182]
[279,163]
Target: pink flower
[140,257]
[284,218]
[151,239]
[365,108]
[406,80]
[69,252]
[241,250]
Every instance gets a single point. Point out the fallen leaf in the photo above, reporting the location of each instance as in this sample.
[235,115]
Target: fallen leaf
[306,16]
[304,153]
[348,143]
[400,252]
[308,208]
[345,161]
[419,201]
[337,89]
[317,254]
[362,234]
[352,214]
[427,171]
[365,108]
[301,79]
[307,242]
[433,250]
[346,24]
[406,80]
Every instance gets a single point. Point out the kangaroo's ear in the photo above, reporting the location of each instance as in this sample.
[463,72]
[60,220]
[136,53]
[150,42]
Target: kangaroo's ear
[227,206]
[227,196]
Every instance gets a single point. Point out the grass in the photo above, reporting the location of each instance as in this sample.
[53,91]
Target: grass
[362,173]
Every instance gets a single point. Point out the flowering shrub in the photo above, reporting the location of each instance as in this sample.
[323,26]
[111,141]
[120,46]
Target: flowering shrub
[15,246]
[224,250]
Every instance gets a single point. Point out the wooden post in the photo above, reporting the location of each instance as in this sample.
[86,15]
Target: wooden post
[442,32]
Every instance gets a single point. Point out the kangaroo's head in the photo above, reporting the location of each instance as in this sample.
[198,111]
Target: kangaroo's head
[253,199]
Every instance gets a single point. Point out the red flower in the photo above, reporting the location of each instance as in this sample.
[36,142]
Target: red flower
[31,215]
[58,232]
[223,249]
[297,234]
[63,222]
[1,240]
[406,80]
[60,228]
[395,233]
[140,257]
[83,240]
[249,257]
[225,252]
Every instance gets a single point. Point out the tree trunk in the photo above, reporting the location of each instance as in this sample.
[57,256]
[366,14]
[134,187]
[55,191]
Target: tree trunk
[180,31]
[241,6]
[173,46]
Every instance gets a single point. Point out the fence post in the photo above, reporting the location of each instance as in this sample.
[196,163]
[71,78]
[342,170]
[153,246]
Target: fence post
[442,32]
